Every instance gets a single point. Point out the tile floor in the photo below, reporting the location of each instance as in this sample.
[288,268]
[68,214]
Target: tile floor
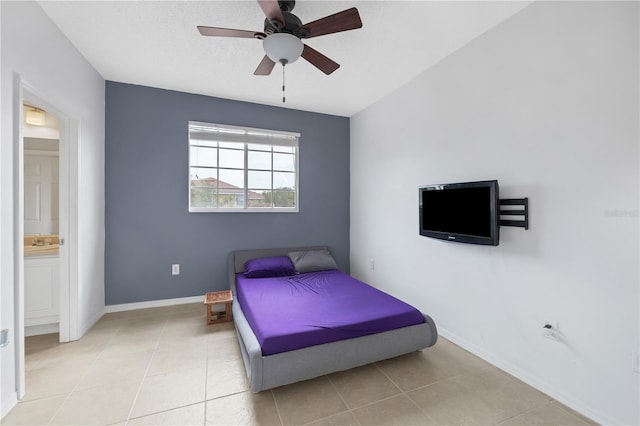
[165,366]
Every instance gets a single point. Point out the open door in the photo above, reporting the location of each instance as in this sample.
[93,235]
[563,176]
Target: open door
[67,222]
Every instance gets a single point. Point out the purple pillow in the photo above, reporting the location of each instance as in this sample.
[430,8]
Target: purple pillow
[278,266]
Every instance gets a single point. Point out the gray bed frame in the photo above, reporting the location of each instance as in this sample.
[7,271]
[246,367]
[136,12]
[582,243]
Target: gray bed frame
[266,372]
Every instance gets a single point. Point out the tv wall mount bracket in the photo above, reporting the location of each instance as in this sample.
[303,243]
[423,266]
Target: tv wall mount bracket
[516,207]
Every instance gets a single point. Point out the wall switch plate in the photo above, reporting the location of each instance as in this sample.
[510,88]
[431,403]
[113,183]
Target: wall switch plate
[372,264]
[175,269]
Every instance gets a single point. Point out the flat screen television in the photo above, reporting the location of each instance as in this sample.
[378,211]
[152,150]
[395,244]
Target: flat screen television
[466,212]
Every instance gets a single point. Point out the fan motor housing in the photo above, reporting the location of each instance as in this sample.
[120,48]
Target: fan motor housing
[287,5]
[291,24]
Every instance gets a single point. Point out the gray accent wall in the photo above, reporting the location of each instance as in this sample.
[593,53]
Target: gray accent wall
[148,226]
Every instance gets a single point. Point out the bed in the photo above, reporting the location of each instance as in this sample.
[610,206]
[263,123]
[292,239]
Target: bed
[314,346]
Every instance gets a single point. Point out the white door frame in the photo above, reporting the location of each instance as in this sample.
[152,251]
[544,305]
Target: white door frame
[68,228]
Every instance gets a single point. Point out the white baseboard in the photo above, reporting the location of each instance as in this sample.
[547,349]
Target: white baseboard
[36,330]
[87,326]
[46,320]
[528,378]
[153,304]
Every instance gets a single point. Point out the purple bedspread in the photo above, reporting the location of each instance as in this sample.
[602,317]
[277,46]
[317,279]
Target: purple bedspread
[288,313]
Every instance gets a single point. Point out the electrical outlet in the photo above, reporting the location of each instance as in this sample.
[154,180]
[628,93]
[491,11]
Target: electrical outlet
[635,361]
[372,264]
[175,269]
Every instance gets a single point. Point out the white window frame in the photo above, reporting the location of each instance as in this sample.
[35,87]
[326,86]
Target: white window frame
[243,136]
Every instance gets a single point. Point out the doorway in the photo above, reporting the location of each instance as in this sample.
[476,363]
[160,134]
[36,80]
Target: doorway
[41,139]
[67,300]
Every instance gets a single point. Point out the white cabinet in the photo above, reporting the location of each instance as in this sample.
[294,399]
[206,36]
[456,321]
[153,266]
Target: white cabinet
[42,290]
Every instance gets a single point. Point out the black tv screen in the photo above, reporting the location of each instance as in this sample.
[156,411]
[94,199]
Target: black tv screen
[466,212]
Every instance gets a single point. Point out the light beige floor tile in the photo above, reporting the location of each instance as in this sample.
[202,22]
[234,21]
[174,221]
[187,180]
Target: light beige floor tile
[450,402]
[243,408]
[185,321]
[93,344]
[129,346]
[485,397]
[139,330]
[101,330]
[188,362]
[363,385]
[111,369]
[30,350]
[178,358]
[110,326]
[42,340]
[38,412]
[101,334]
[101,405]
[546,415]
[194,317]
[454,360]
[225,378]
[178,336]
[193,328]
[221,331]
[398,410]
[413,370]
[187,416]
[56,379]
[171,390]
[119,316]
[341,419]
[223,349]
[74,353]
[168,342]
[307,401]
[197,307]
[60,357]
[575,413]
[40,357]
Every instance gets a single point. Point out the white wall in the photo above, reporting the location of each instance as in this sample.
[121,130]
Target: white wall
[34,47]
[547,103]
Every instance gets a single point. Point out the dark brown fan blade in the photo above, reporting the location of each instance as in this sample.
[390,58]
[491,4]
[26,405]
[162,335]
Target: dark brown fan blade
[342,21]
[319,61]
[271,9]
[227,32]
[265,67]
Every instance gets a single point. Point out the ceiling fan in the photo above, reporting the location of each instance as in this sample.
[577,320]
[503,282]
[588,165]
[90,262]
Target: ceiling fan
[283,34]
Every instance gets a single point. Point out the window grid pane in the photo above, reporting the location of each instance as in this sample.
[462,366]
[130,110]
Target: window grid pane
[239,176]
[284,162]
[259,160]
[203,156]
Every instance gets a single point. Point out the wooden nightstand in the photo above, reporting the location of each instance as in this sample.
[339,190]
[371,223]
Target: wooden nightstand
[218,298]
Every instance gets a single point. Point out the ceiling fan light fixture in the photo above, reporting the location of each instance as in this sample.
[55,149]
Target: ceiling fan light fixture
[283,47]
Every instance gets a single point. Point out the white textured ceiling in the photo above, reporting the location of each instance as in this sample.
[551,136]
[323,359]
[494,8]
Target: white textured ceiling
[155,43]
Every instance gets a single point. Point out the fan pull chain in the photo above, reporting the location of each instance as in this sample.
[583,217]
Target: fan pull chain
[283,97]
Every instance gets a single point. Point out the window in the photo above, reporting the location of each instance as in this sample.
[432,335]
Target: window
[242,169]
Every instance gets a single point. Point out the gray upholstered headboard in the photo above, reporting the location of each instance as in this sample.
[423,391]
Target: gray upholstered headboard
[238,258]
